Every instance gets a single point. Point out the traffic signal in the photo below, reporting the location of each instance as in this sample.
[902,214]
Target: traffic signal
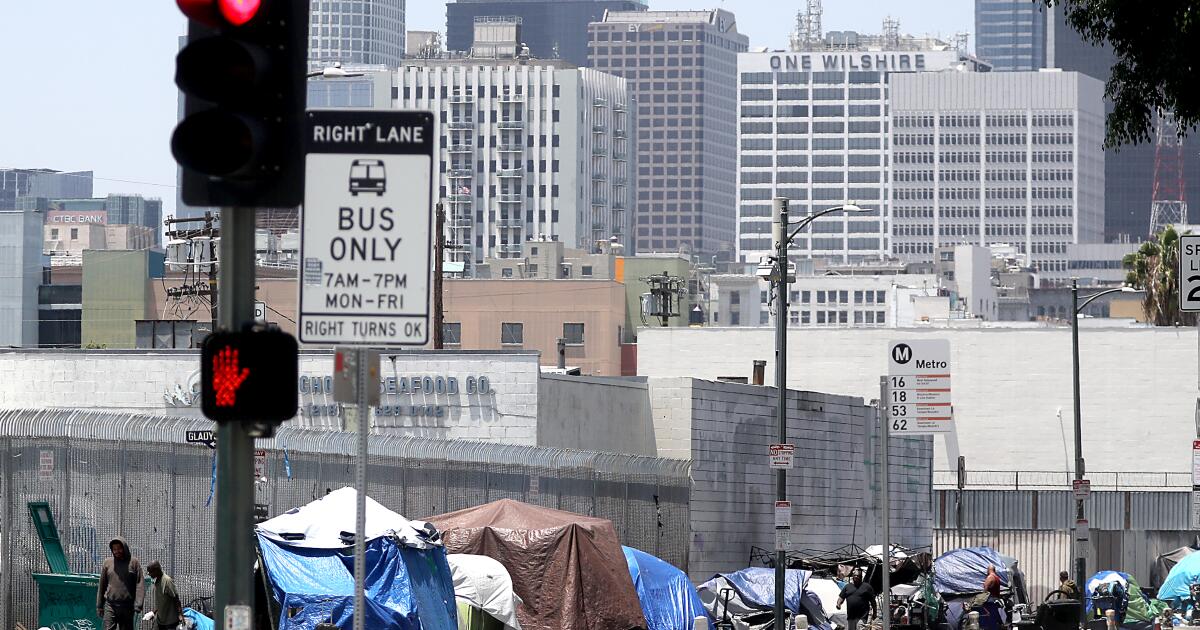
[242,71]
[249,377]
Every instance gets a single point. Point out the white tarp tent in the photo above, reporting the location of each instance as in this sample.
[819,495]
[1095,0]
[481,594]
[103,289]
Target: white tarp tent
[328,523]
[485,584]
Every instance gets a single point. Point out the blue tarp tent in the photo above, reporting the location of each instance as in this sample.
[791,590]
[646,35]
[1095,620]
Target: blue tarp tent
[1178,584]
[199,621]
[669,601]
[408,581]
[755,586]
[962,571]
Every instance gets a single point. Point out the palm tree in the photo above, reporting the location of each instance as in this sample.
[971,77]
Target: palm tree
[1154,268]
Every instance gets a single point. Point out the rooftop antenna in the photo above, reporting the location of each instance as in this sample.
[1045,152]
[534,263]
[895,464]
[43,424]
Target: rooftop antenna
[891,33]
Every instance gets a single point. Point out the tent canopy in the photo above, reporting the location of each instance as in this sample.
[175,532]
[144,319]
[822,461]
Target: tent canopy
[756,587]
[1177,586]
[329,523]
[1167,561]
[1139,607]
[962,571]
[567,569]
[669,601]
[311,577]
[485,584]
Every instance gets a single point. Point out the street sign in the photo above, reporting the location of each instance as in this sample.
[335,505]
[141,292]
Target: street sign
[782,455]
[783,514]
[1195,484]
[919,387]
[260,312]
[207,438]
[260,464]
[1082,533]
[1189,273]
[365,243]
[1082,488]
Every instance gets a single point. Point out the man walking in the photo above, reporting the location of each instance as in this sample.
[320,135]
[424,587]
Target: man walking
[859,598]
[168,610]
[1068,587]
[121,590]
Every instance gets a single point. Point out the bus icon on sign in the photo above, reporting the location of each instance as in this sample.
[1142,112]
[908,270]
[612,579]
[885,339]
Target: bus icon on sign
[367,176]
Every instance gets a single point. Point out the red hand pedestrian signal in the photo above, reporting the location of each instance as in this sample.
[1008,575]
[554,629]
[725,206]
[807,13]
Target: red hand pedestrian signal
[227,378]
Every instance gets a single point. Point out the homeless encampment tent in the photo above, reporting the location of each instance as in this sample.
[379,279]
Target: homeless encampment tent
[484,583]
[408,582]
[747,598]
[567,569]
[1120,592]
[1177,588]
[669,601]
[828,591]
[1167,561]
[958,577]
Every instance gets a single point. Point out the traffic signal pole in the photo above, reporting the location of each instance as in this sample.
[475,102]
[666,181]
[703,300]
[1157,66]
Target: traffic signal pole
[234,588]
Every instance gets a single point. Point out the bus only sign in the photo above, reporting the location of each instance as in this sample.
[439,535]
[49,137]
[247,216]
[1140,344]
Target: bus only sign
[365,245]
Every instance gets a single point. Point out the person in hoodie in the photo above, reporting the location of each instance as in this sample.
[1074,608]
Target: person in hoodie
[122,588]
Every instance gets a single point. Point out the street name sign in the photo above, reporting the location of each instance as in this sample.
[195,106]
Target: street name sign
[919,387]
[365,241]
[260,312]
[1195,484]
[1189,273]
[207,438]
[781,455]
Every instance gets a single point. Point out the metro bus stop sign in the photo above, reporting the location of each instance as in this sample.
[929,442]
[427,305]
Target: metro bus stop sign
[365,244]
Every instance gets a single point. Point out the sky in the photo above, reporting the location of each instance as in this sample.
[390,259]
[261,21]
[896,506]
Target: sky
[89,85]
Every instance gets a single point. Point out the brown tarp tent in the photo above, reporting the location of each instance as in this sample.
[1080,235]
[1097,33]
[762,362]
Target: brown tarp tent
[568,570]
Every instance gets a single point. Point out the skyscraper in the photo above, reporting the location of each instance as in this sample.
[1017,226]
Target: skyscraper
[356,32]
[16,183]
[1011,34]
[682,71]
[553,29]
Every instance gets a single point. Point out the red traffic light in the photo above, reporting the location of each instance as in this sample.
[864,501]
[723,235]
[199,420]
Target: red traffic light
[214,13]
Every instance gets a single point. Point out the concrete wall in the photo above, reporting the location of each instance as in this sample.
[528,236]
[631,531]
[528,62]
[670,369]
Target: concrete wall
[1012,387]
[833,486]
[503,409]
[116,292]
[596,414]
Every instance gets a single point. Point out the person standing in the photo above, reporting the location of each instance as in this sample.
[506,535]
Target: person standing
[168,610]
[991,583]
[122,588]
[1067,586]
[859,598]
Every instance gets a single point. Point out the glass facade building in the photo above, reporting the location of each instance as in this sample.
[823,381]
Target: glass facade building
[681,67]
[356,32]
[1011,34]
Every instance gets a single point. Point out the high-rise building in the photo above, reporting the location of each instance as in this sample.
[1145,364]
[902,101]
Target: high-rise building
[552,29]
[21,264]
[529,149]
[682,70]
[1129,171]
[1011,34]
[813,128]
[997,158]
[357,32]
[16,183]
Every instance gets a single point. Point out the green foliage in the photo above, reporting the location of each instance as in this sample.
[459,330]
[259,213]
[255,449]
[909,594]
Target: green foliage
[1154,268]
[1156,61]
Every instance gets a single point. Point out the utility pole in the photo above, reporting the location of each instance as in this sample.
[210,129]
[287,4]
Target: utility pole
[666,292]
[192,285]
[438,312]
[780,226]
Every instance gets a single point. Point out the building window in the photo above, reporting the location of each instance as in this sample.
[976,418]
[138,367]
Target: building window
[735,298]
[54,233]
[512,334]
[880,297]
[858,299]
[735,318]
[573,333]
[805,297]
[587,271]
[533,252]
[533,270]
[880,318]
[74,234]
[452,334]
[506,272]
[820,317]
[764,318]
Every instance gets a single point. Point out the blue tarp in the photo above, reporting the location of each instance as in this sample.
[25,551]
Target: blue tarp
[1106,577]
[406,588]
[199,621]
[669,601]
[1178,584]
[962,571]
[756,585]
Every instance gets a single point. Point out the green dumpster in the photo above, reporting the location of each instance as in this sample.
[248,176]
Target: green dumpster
[66,601]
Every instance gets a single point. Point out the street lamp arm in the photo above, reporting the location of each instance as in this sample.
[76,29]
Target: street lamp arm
[1080,308]
[813,217]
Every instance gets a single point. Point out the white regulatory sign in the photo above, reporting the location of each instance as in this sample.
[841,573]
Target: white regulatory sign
[919,387]
[1195,484]
[1189,272]
[365,244]
[781,455]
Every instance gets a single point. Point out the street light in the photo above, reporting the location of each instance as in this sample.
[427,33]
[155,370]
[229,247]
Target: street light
[1076,307]
[782,239]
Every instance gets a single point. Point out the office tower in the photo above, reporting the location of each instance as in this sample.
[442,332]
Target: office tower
[813,128]
[356,32]
[1011,34]
[997,158]
[552,29]
[682,71]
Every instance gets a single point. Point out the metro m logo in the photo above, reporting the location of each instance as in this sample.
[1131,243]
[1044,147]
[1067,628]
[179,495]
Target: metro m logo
[902,353]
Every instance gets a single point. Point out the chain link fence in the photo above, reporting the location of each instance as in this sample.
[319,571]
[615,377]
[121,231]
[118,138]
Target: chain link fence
[106,475]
